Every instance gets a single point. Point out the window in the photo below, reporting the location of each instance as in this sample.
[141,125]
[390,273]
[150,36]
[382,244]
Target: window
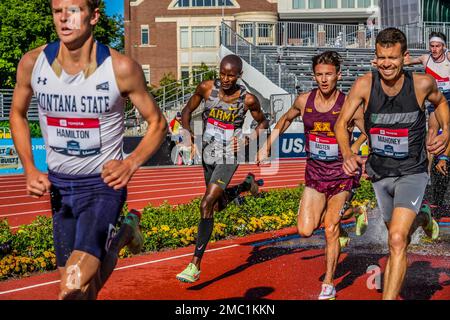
[146,70]
[298,4]
[348,4]
[329,4]
[265,30]
[145,38]
[203,37]
[363,3]
[315,4]
[246,30]
[203,3]
[184,37]
[184,73]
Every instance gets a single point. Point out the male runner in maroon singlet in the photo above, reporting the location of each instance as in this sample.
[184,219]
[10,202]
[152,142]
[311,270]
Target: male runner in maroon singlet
[395,122]
[328,188]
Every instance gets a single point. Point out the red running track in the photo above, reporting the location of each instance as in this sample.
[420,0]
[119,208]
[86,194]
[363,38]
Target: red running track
[148,186]
[243,269]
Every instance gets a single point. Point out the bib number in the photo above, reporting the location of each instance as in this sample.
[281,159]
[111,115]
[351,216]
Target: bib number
[323,149]
[74,136]
[391,143]
[222,132]
[444,85]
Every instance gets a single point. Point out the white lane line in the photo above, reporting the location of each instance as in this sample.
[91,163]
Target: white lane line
[120,268]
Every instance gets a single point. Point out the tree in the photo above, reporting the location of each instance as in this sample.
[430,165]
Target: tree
[202,73]
[25,25]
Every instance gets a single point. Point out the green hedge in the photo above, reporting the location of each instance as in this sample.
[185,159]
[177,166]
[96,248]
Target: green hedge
[164,227]
[35,129]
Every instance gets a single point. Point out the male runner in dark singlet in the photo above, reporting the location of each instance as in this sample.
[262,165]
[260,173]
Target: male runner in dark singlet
[395,122]
[327,187]
[226,104]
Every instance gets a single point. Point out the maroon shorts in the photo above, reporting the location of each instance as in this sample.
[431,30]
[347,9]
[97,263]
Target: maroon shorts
[329,178]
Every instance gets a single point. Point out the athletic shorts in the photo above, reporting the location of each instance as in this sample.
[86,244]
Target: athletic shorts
[332,187]
[219,174]
[400,192]
[83,208]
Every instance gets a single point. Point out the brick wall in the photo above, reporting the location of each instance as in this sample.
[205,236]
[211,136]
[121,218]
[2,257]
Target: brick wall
[161,55]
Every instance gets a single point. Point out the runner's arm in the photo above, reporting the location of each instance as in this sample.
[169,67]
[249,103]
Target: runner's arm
[131,82]
[358,120]
[436,144]
[357,96]
[37,182]
[193,103]
[412,61]
[254,106]
[282,125]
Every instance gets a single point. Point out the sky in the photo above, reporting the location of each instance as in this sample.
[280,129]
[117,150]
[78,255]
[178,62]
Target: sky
[114,6]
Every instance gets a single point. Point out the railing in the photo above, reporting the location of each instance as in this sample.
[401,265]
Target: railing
[306,34]
[174,96]
[266,64]
[5,105]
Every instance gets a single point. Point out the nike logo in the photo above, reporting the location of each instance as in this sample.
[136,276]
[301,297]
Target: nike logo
[220,181]
[232,109]
[335,112]
[200,247]
[415,202]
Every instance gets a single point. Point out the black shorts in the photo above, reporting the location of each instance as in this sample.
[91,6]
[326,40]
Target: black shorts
[219,174]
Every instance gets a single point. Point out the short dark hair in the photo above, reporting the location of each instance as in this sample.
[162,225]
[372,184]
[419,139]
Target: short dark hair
[437,34]
[328,57]
[92,4]
[234,60]
[390,36]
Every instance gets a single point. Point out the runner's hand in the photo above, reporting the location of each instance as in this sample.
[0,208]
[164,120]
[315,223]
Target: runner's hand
[117,173]
[436,144]
[352,164]
[37,183]
[441,167]
[262,155]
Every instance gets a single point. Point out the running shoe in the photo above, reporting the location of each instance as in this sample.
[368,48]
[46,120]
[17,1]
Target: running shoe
[252,184]
[137,241]
[344,239]
[190,274]
[432,228]
[328,292]
[362,222]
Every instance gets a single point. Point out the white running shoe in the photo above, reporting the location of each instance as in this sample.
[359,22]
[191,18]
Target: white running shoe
[328,292]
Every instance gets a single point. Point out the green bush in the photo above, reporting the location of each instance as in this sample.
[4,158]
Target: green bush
[35,129]
[165,226]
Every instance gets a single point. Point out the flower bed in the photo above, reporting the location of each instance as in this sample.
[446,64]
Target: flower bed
[165,227]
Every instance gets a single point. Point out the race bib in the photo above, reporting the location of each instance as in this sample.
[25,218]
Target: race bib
[444,85]
[74,136]
[323,148]
[389,142]
[222,132]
